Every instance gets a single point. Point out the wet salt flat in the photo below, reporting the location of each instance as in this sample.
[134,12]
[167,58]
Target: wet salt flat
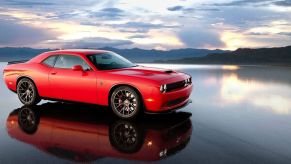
[239,114]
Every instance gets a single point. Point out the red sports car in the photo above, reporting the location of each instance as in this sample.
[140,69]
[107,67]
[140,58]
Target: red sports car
[98,77]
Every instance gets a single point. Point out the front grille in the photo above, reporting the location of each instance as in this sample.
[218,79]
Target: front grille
[176,85]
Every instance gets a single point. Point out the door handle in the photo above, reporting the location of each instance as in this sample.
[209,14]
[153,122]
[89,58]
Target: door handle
[53,73]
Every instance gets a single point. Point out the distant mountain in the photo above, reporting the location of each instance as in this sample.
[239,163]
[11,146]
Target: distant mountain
[12,54]
[141,55]
[135,54]
[281,56]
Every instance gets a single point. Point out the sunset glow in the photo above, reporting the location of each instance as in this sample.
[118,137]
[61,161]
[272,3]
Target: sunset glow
[152,25]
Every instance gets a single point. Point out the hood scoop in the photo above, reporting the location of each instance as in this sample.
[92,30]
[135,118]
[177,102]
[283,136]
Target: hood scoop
[169,71]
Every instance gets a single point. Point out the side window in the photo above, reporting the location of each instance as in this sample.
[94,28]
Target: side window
[50,61]
[68,61]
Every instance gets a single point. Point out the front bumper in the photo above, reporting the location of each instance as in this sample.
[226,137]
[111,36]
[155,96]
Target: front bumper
[170,110]
[170,101]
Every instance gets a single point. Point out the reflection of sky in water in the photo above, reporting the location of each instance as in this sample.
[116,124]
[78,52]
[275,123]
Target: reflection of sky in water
[241,111]
[258,86]
[263,94]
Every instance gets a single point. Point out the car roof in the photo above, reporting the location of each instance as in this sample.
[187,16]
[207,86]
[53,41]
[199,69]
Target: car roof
[81,51]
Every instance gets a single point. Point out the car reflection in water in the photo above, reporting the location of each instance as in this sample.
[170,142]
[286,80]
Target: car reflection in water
[70,132]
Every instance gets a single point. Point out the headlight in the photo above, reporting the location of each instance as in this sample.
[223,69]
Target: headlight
[188,81]
[163,88]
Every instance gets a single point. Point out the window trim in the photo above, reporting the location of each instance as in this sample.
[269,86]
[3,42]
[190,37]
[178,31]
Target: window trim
[42,62]
[88,57]
[74,56]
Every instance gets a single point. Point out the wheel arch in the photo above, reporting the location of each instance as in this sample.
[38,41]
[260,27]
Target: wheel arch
[27,77]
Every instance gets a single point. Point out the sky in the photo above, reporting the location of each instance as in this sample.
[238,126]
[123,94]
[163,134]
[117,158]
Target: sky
[150,24]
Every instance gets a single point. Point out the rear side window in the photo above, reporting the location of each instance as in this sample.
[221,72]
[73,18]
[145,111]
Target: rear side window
[50,61]
[68,61]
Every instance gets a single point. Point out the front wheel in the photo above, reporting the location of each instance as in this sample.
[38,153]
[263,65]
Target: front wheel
[125,102]
[27,92]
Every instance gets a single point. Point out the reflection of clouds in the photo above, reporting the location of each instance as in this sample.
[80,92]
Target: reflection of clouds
[265,95]
[230,67]
[228,86]
[233,89]
[278,104]
[192,66]
[211,81]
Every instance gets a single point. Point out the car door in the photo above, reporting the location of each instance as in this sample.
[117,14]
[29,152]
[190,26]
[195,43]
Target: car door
[68,84]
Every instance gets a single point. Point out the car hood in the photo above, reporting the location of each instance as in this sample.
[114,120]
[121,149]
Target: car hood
[156,74]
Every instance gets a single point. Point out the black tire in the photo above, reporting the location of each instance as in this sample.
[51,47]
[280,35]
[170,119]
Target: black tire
[28,120]
[27,92]
[125,102]
[126,136]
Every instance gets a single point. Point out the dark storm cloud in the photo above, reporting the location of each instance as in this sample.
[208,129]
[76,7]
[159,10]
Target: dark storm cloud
[200,37]
[13,33]
[286,3]
[95,42]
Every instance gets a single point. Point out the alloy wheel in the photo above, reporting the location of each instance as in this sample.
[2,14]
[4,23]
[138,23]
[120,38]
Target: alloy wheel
[26,91]
[125,102]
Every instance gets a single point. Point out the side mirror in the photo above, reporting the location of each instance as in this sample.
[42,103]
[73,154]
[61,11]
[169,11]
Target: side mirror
[77,68]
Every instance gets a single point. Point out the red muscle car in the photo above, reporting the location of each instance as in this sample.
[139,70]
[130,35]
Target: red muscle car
[98,77]
[95,134]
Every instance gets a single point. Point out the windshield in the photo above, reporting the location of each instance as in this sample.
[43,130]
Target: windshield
[109,60]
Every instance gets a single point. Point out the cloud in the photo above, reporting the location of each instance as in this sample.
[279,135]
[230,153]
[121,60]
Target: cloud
[285,3]
[147,25]
[181,8]
[130,22]
[27,3]
[94,42]
[242,2]
[199,37]
[285,33]
[258,33]
[138,36]
[175,8]
[15,34]
[142,27]
[246,17]
[186,10]
[108,13]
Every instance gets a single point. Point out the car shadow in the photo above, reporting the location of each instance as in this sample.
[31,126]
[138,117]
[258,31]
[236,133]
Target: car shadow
[83,133]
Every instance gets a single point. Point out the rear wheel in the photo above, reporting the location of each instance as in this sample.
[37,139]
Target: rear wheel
[125,102]
[27,92]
